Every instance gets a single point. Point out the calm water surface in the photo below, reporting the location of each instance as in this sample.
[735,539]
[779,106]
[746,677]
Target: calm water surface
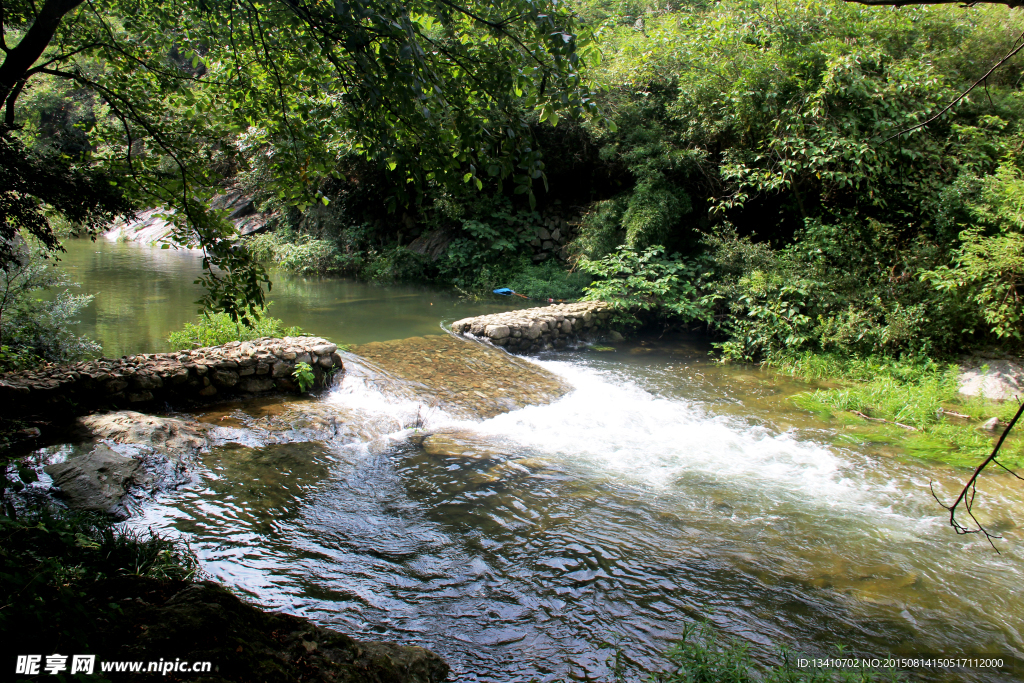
[661,490]
[142,294]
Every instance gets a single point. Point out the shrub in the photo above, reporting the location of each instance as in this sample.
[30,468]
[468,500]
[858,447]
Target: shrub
[648,282]
[48,560]
[214,329]
[548,280]
[33,329]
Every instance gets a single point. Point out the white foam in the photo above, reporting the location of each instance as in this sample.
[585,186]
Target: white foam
[611,423]
[616,423]
[367,397]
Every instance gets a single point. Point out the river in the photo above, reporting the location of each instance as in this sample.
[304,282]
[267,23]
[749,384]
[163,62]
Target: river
[664,488]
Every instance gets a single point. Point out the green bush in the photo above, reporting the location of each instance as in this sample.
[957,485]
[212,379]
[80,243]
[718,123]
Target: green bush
[49,558]
[396,264]
[34,329]
[214,329]
[548,280]
[304,255]
[648,283]
[316,257]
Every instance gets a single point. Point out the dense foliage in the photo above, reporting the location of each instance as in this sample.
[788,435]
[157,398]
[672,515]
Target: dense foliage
[171,99]
[759,175]
[764,142]
[761,171]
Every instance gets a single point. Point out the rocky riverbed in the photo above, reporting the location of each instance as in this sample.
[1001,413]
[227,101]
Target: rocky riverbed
[463,378]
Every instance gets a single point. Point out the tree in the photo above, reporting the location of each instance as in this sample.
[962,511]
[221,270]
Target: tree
[435,91]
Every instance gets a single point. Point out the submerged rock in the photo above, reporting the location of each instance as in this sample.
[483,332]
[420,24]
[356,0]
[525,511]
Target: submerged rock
[459,445]
[95,482]
[464,378]
[171,436]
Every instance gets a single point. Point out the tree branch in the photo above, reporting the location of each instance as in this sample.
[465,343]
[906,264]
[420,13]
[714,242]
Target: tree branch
[22,56]
[1018,46]
[906,3]
[966,497]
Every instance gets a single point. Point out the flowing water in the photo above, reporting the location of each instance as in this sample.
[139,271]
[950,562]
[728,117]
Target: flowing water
[654,489]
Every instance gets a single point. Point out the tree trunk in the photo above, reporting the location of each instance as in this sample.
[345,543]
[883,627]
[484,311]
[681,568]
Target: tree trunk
[22,56]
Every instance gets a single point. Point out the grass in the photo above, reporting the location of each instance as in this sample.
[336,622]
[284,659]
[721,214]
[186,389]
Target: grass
[218,328]
[917,392]
[702,656]
[49,560]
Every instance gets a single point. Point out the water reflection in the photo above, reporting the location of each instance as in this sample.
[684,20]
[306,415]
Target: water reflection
[144,293]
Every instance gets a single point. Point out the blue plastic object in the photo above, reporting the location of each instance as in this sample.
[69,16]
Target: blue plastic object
[504,291]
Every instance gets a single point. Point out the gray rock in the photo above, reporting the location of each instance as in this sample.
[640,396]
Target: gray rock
[324,349]
[991,425]
[171,436]
[995,379]
[225,378]
[95,482]
[255,386]
[497,331]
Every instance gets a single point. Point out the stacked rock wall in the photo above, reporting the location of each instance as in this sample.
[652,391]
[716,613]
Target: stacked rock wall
[183,377]
[534,329]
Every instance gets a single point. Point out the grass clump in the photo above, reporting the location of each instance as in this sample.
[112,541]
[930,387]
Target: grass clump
[214,329]
[701,656]
[50,559]
[917,397]
[303,255]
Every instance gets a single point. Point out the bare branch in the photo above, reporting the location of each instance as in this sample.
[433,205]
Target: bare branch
[906,3]
[967,494]
[1018,46]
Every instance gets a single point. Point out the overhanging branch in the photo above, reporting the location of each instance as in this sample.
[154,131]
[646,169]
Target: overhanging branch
[906,3]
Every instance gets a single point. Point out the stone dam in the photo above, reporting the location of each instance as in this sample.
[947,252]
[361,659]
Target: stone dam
[178,378]
[535,329]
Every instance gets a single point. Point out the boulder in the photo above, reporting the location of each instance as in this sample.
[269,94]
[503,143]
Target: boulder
[999,379]
[96,481]
[171,436]
[497,331]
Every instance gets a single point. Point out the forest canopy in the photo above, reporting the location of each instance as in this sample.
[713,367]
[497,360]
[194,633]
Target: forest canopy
[173,94]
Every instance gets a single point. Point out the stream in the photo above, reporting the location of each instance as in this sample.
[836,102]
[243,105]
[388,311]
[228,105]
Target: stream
[660,490]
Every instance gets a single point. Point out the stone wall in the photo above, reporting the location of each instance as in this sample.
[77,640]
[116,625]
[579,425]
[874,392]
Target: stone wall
[534,329]
[178,378]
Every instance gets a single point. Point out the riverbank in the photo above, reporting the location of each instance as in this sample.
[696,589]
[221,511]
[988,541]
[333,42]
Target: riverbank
[936,411]
[73,584]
